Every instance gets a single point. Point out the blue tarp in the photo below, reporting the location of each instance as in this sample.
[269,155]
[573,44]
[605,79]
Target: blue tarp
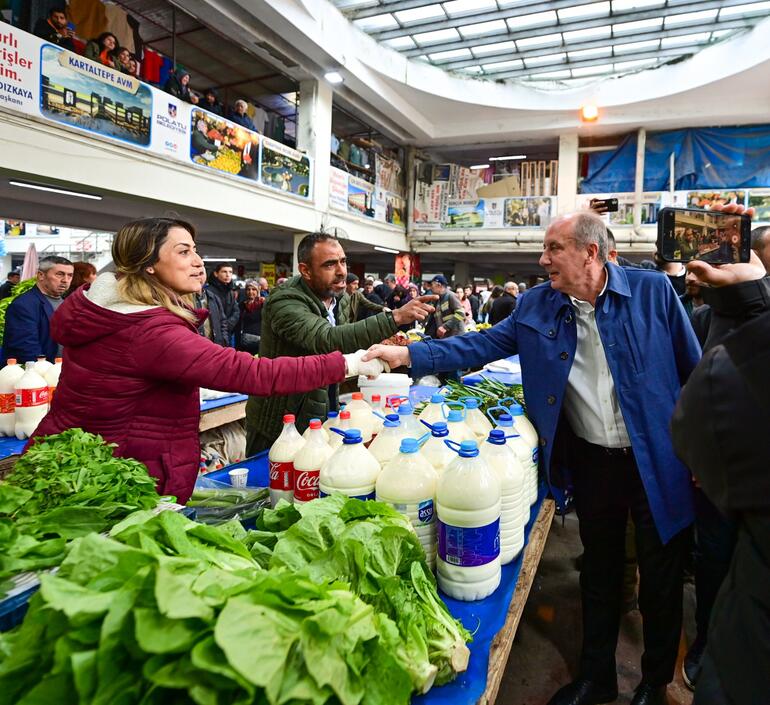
[706,158]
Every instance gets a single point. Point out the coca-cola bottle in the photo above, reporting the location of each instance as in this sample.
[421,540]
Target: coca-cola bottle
[281,460]
[307,464]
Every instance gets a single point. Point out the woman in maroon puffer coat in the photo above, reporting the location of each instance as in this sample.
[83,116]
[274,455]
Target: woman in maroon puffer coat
[133,358]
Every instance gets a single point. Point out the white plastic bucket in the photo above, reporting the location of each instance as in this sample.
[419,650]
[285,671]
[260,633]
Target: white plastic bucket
[386,385]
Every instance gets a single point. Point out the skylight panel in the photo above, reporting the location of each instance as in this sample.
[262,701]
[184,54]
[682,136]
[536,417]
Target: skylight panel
[473,30]
[544,60]
[754,8]
[377,23]
[639,25]
[580,35]
[455,8]
[421,14]
[628,5]
[440,35]
[650,45]
[622,66]
[354,4]
[400,43]
[582,71]
[543,40]
[496,48]
[471,69]
[582,54]
[579,12]
[536,19]
[503,65]
[552,75]
[691,17]
[685,40]
[453,54]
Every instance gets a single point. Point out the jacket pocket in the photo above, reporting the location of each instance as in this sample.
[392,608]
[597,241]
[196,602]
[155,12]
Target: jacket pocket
[634,354]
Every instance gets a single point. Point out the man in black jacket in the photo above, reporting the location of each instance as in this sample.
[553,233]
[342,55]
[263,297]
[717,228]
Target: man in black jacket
[55,29]
[220,284]
[718,431]
[12,280]
[504,305]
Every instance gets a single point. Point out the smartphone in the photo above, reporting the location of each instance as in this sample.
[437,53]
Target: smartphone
[685,234]
[608,205]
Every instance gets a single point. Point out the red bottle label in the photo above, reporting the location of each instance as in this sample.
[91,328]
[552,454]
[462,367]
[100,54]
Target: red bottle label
[281,476]
[32,397]
[306,484]
[7,403]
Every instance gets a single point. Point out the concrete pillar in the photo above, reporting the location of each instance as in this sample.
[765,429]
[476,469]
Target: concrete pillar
[641,144]
[314,133]
[294,261]
[462,273]
[568,173]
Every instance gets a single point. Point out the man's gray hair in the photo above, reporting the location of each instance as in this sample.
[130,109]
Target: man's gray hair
[241,102]
[390,278]
[588,228]
[511,286]
[51,261]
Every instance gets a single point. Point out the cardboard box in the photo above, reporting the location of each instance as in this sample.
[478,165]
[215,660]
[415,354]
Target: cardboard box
[504,188]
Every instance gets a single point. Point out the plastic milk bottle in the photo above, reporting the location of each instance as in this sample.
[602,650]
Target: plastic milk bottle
[308,462]
[523,452]
[52,377]
[351,469]
[31,401]
[281,460]
[475,419]
[361,416]
[385,446]
[343,424]
[458,429]
[324,432]
[9,376]
[435,450]
[435,409]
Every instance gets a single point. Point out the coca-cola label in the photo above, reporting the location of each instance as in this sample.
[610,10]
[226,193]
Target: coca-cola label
[32,397]
[306,485]
[7,403]
[281,476]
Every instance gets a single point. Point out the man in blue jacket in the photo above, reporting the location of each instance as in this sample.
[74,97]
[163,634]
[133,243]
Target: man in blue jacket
[27,320]
[604,351]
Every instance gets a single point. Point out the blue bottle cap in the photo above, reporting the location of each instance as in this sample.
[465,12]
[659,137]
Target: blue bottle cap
[496,437]
[352,436]
[392,421]
[440,429]
[470,402]
[409,445]
[405,409]
[437,399]
[505,420]
[455,415]
[516,409]
[468,449]
[332,414]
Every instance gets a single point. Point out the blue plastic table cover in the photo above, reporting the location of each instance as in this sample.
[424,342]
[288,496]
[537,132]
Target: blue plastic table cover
[483,618]
[224,401]
[11,446]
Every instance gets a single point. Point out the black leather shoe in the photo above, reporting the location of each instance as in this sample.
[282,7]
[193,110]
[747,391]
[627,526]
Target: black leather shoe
[691,664]
[650,695]
[584,692]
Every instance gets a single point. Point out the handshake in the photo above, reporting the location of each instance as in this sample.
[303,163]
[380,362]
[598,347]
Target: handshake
[355,366]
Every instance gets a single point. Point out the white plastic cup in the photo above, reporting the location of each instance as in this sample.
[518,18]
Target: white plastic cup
[238,477]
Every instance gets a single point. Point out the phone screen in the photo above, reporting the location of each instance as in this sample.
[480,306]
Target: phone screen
[685,234]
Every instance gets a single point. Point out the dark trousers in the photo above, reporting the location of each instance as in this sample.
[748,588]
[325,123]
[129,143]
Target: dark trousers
[607,487]
[715,537]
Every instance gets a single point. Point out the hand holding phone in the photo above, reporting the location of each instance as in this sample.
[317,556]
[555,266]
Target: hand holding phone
[600,206]
[718,236]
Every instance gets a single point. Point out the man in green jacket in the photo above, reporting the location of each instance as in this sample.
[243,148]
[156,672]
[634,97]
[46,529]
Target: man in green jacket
[311,314]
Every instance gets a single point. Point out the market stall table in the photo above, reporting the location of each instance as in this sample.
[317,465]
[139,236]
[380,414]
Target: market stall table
[218,412]
[492,621]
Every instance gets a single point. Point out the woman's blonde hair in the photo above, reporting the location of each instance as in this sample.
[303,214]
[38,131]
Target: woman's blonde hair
[136,247]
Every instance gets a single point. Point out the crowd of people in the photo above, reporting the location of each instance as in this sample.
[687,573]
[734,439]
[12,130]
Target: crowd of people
[105,49]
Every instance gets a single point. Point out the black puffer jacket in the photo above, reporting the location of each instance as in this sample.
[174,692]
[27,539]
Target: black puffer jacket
[227,297]
[720,431]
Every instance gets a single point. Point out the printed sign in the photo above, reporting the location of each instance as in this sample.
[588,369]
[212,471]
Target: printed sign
[219,144]
[284,168]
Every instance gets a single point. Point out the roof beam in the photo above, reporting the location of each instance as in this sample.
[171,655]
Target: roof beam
[380,9]
[494,37]
[585,63]
[454,65]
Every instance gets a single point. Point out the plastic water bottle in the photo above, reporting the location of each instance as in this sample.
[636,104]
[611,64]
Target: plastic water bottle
[524,453]
[528,432]
[31,402]
[434,450]
[42,366]
[351,469]
[332,420]
[409,422]
[324,432]
[52,378]
[475,419]
[434,411]
[281,461]
[468,503]
[408,482]
[378,414]
[9,376]
[458,429]
[514,512]
[385,446]
[361,416]
[343,424]
[308,462]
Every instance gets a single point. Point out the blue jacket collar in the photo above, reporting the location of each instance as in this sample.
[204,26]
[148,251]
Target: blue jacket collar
[618,281]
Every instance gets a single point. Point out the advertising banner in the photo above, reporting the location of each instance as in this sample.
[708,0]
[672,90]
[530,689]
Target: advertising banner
[360,196]
[44,80]
[529,212]
[338,189]
[465,214]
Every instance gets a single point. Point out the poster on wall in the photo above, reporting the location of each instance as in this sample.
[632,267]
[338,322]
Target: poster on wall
[19,69]
[387,172]
[15,228]
[361,196]
[267,270]
[429,204]
[760,201]
[284,168]
[494,212]
[338,189]
[171,126]
[527,212]
[84,94]
[652,202]
[222,145]
[708,199]
[388,207]
[465,214]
